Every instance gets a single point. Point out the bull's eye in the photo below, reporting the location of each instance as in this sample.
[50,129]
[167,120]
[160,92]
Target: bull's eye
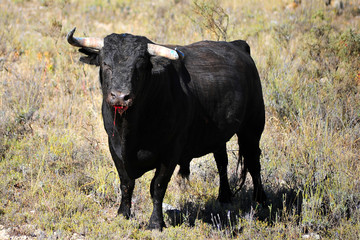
[106,67]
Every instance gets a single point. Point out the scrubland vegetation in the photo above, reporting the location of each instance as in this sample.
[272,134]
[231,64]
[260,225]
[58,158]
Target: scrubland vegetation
[57,179]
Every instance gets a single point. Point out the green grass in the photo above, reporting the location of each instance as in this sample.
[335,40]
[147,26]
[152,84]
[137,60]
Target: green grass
[57,179]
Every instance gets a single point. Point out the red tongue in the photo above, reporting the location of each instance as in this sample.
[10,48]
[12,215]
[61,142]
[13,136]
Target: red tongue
[118,108]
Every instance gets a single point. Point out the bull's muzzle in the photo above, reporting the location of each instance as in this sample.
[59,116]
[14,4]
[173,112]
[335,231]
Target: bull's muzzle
[117,98]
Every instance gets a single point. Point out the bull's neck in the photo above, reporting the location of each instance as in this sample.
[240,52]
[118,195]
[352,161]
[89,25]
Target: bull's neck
[159,91]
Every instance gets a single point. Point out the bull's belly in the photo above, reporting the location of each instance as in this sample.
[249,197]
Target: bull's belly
[206,142]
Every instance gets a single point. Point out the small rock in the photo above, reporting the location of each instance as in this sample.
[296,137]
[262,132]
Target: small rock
[4,234]
[167,207]
[77,236]
[311,236]
[324,80]
[40,234]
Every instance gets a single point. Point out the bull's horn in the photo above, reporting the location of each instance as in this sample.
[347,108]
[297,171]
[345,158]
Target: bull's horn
[90,42]
[157,50]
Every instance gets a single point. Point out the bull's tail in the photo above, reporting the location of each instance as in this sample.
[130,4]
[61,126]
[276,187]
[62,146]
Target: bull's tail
[241,162]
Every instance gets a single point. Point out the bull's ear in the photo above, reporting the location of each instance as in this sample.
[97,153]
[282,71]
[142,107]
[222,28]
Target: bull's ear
[159,64]
[92,57]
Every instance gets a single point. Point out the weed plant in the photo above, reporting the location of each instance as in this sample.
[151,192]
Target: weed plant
[57,179]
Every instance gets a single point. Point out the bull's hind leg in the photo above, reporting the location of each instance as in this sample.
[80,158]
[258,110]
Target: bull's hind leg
[221,159]
[250,151]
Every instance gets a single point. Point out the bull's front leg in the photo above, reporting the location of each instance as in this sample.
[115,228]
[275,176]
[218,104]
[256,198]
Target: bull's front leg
[126,185]
[157,190]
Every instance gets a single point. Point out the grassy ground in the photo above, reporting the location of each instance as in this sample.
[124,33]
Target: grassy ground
[57,179]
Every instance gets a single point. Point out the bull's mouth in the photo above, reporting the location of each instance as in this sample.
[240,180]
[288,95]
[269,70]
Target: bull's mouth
[120,109]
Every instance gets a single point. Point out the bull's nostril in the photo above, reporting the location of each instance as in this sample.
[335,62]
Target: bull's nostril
[112,95]
[119,98]
[126,97]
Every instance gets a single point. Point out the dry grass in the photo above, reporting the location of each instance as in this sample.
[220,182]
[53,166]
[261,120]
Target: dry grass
[57,179]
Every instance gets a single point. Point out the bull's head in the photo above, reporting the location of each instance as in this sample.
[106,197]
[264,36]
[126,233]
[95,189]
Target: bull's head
[123,60]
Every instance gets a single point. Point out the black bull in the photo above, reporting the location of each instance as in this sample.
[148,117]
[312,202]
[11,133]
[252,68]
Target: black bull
[162,108]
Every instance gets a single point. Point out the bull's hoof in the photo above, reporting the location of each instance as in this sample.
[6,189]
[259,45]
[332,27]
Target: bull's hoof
[260,197]
[125,211]
[156,226]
